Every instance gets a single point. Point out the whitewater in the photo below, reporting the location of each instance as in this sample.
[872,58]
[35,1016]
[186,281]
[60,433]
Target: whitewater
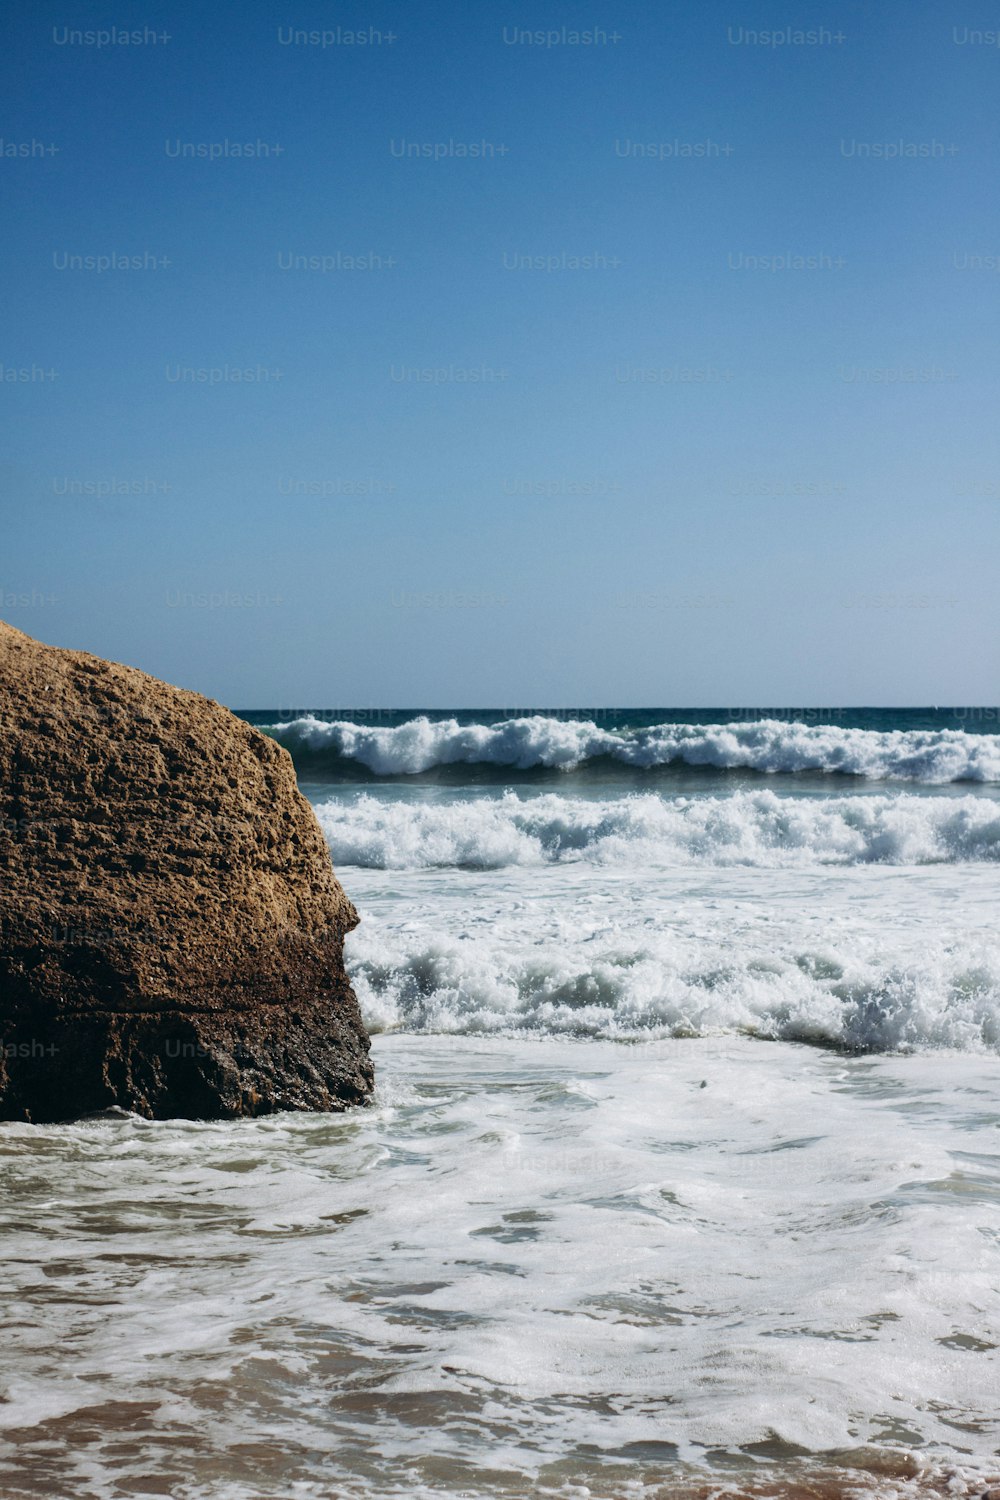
[746,828]
[421,744]
[832,884]
[682,1176]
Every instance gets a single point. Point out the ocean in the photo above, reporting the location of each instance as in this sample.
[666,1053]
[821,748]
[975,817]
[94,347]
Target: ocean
[682,1175]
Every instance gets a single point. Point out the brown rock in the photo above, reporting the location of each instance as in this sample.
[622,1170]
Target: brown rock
[171,930]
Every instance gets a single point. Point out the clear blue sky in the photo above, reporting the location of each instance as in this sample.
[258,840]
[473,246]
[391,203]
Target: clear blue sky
[681,478]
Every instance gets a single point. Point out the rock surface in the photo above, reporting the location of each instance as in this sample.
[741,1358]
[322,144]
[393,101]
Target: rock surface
[171,929]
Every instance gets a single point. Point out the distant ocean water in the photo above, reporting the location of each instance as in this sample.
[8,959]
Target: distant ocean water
[684,1165]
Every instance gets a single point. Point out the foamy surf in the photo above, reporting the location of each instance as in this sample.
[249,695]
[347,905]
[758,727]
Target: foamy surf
[839,958]
[536,742]
[532,1268]
[747,828]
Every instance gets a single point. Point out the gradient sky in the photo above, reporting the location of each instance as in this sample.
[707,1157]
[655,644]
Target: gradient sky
[803,523]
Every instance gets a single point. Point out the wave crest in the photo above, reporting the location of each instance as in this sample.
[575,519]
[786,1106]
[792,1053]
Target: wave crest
[642,988]
[770,745]
[746,828]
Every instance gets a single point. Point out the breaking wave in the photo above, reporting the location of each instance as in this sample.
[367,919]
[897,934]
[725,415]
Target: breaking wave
[746,828]
[772,746]
[632,986]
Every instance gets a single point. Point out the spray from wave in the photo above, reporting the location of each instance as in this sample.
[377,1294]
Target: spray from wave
[536,742]
[747,828]
[642,986]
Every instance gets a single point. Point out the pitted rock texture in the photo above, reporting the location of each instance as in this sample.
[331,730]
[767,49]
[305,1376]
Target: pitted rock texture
[171,929]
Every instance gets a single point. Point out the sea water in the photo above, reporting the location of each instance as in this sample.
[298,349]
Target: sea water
[683,1170]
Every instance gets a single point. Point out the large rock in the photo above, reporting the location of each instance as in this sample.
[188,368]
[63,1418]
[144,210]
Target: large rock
[172,931]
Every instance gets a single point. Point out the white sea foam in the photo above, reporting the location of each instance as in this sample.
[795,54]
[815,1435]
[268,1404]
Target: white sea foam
[771,745]
[862,958]
[630,989]
[746,828]
[531,1268]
